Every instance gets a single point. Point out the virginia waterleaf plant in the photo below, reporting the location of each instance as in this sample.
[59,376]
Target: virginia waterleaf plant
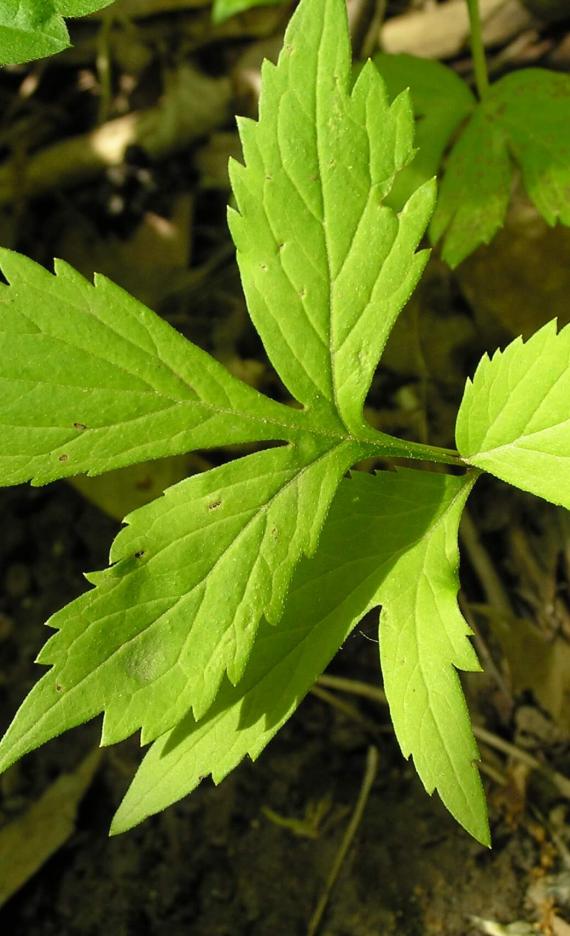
[227,597]
[32,29]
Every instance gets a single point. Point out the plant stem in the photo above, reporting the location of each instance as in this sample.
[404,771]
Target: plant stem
[478,49]
[420,451]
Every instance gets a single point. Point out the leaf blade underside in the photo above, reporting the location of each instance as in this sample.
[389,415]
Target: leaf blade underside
[514,419]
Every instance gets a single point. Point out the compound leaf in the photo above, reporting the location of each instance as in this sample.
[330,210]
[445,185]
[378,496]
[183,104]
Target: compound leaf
[373,522]
[441,101]
[524,118]
[32,29]
[193,574]
[325,266]
[93,380]
[88,375]
[514,419]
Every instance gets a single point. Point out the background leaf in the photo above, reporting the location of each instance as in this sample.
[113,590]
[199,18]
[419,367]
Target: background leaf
[533,106]
[441,100]
[374,521]
[223,9]
[523,118]
[514,419]
[475,190]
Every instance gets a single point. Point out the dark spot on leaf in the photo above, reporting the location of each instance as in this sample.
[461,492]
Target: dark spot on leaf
[214,505]
[63,458]
[79,426]
[264,267]
[144,484]
[139,554]
[58,687]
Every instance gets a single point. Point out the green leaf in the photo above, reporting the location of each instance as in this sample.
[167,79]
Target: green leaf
[80,7]
[423,641]
[32,29]
[29,30]
[514,419]
[475,191]
[533,106]
[223,9]
[441,102]
[92,380]
[523,118]
[374,522]
[193,574]
[325,266]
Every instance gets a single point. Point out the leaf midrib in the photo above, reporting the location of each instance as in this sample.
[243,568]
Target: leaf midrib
[320,162]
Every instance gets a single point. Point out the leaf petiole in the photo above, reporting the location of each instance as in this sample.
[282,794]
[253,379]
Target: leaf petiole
[478,49]
[379,443]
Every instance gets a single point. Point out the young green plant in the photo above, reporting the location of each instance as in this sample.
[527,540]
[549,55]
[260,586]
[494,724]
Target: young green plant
[519,125]
[228,596]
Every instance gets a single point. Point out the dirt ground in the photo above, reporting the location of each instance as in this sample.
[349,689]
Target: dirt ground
[253,857]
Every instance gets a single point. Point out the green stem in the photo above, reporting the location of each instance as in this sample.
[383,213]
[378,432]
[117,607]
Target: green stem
[478,49]
[415,451]
[432,453]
